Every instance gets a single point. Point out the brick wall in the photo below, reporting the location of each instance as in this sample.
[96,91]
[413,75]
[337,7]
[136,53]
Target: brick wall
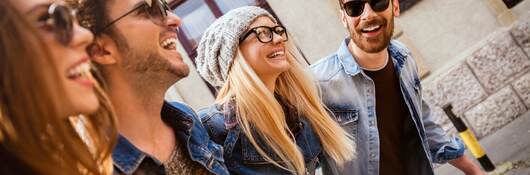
[490,87]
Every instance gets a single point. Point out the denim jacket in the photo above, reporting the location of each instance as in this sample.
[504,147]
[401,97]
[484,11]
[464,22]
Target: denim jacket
[189,131]
[350,94]
[240,155]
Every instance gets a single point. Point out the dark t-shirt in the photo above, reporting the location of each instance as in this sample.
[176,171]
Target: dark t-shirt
[393,120]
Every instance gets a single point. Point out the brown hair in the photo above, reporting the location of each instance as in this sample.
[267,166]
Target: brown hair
[30,127]
[94,15]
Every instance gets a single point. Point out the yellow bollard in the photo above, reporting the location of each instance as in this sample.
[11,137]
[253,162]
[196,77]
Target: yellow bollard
[470,140]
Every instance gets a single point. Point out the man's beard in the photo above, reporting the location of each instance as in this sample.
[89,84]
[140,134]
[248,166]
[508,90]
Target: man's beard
[151,67]
[377,44]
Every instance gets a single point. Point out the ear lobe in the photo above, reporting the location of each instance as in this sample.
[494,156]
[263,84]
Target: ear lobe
[395,7]
[103,51]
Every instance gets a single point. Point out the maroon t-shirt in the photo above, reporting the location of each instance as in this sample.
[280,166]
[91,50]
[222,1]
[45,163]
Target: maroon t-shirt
[393,121]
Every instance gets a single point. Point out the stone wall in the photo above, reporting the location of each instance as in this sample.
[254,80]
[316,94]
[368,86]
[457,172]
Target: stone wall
[490,87]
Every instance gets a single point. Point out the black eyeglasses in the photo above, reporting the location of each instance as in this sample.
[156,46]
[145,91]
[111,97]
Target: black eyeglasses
[356,7]
[265,33]
[60,20]
[156,9]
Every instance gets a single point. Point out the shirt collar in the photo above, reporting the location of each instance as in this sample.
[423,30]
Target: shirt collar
[397,52]
[127,157]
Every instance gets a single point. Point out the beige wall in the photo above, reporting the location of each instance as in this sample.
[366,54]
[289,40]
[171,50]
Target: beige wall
[441,30]
[191,90]
[313,24]
[522,10]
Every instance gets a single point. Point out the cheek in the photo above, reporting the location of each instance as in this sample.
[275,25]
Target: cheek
[61,57]
[253,55]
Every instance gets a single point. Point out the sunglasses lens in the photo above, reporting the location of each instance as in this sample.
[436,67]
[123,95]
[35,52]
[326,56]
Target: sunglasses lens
[354,8]
[63,24]
[158,10]
[379,5]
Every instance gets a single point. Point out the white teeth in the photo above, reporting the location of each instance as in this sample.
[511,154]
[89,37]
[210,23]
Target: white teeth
[371,28]
[275,54]
[168,42]
[79,70]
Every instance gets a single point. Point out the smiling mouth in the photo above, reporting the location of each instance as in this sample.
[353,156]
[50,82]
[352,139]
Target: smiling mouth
[81,71]
[371,28]
[276,54]
[169,43]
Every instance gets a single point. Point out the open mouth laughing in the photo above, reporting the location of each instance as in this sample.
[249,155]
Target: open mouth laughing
[80,73]
[276,54]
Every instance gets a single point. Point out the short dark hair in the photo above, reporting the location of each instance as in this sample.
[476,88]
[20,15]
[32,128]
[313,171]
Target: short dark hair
[94,15]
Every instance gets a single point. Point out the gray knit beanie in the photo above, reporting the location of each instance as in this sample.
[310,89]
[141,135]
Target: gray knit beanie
[219,43]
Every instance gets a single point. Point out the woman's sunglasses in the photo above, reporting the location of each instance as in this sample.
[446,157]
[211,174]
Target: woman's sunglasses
[356,7]
[60,20]
[265,33]
[156,9]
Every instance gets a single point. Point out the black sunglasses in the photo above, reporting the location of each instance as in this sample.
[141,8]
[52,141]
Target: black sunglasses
[156,9]
[60,20]
[265,33]
[356,7]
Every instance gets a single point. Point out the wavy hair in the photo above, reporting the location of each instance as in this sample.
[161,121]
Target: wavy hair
[31,129]
[257,108]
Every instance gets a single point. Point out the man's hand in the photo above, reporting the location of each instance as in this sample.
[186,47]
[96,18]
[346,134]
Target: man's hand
[467,166]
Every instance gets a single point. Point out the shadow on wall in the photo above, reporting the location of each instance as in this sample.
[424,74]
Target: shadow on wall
[404,5]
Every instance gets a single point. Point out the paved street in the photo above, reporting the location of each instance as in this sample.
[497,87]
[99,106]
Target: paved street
[508,148]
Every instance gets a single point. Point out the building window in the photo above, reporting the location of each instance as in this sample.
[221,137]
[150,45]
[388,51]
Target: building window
[197,15]
[511,3]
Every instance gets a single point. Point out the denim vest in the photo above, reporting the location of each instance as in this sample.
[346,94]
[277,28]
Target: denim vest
[350,94]
[189,132]
[240,155]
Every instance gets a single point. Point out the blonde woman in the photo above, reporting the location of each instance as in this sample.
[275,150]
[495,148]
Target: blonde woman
[45,79]
[267,114]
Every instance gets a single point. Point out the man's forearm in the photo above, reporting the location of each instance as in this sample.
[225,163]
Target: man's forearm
[466,165]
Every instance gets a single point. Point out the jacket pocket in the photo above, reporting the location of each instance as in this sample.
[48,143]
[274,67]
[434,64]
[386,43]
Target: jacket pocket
[348,120]
[345,117]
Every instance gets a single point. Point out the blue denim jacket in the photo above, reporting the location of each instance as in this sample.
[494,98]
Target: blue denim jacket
[350,94]
[189,131]
[240,155]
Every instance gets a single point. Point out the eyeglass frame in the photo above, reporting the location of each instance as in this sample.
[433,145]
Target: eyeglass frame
[164,14]
[272,30]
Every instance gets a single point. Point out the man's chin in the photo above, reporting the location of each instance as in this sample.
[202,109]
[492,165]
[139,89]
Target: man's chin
[180,71]
[372,45]
[374,49]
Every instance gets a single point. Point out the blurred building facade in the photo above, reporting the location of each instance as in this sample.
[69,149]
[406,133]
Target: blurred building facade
[473,53]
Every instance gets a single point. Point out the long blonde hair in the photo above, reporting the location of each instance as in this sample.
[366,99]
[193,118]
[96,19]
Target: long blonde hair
[256,107]
[30,127]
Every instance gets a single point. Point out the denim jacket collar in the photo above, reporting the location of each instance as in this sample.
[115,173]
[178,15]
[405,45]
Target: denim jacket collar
[127,158]
[350,65]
